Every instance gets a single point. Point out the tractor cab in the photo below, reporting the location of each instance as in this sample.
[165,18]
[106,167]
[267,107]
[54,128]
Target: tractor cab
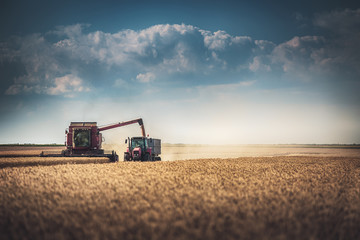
[139,142]
[138,147]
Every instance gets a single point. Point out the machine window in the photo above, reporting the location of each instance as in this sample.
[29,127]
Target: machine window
[82,138]
[137,143]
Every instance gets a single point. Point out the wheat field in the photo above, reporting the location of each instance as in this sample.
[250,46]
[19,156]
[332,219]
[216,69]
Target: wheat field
[279,197]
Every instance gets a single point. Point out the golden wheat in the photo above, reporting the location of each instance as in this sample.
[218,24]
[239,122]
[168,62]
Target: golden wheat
[243,198]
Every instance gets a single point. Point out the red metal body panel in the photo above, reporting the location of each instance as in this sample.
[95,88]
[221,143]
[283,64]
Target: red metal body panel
[138,155]
[148,150]
[95,141]
[69,139]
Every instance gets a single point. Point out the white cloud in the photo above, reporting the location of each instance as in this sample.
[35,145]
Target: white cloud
[257,65]
[265,46]
[217,40]
[68,85]
[220,40]
[176,48]
[21,88]
[297,56]
[145,77]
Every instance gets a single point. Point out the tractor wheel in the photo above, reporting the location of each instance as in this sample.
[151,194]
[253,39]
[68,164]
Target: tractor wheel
[126,156]
[147,157]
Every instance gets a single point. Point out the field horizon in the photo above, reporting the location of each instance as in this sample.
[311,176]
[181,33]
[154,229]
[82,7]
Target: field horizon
[205,144]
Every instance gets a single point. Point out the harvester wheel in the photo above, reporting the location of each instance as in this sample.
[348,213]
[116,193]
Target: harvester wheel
[114,157]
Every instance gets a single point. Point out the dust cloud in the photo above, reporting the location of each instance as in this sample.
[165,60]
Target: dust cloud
[172,152]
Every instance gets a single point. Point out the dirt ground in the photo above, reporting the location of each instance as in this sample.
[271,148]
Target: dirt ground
[252,192]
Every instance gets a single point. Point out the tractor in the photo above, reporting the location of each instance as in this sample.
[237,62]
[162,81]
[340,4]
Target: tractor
[142,149]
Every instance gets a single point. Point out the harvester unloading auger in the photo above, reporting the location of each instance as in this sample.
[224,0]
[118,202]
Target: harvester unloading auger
[83,139]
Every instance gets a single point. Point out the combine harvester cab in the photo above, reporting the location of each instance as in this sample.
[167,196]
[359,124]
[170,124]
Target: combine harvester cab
[142,149]
[83,137]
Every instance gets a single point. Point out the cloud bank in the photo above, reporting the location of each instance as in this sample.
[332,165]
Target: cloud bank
[70,61]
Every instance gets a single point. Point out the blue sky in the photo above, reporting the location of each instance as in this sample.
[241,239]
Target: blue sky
[196,71]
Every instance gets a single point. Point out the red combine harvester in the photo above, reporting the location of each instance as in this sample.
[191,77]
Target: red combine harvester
[83,139]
